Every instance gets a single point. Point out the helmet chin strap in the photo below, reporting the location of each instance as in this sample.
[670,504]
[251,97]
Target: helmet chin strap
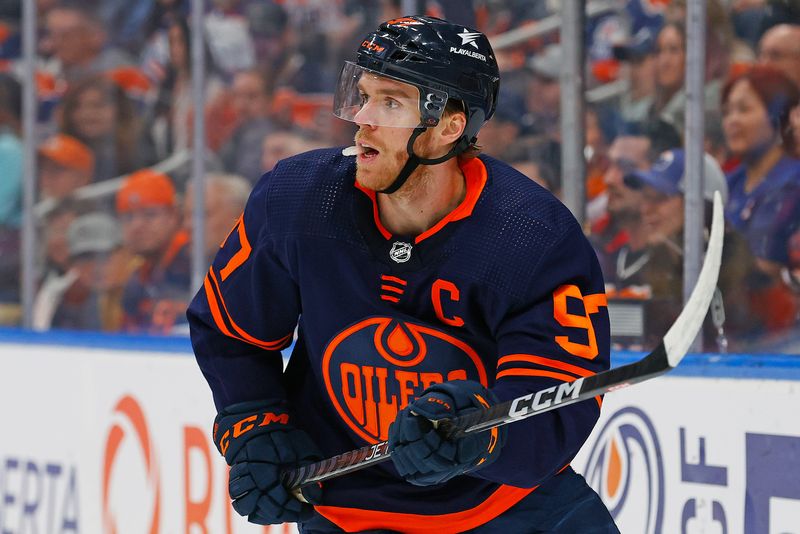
[414,160]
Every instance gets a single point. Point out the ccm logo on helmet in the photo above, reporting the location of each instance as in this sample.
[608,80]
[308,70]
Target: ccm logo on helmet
[369,45]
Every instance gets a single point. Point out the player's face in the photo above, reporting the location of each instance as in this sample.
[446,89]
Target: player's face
[745,122]
[383,148]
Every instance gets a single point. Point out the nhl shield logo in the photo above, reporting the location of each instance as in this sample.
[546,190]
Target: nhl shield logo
[401,252]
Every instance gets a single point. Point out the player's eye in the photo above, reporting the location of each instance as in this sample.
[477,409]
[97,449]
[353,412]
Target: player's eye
[363,98]
[391,103]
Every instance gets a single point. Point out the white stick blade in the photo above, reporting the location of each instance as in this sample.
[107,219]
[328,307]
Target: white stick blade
[682,333]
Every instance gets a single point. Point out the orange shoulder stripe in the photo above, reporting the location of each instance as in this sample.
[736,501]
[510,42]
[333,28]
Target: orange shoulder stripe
[357,520]
[214,295]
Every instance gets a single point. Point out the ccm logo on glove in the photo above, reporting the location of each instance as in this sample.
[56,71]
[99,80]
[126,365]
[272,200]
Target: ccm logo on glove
[247,424]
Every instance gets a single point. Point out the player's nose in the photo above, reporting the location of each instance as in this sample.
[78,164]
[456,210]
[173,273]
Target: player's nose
[366,117]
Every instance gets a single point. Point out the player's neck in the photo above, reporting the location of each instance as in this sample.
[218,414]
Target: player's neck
[429,194]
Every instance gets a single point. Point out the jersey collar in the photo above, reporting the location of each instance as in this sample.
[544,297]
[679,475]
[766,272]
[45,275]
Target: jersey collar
[475,176]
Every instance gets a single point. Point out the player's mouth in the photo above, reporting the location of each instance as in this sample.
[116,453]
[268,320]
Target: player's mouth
[366,152]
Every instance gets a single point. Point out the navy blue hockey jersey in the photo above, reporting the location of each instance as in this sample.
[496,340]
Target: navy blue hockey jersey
[504,290]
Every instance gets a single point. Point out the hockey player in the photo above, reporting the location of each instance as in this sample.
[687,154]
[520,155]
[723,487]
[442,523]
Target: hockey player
[426,281]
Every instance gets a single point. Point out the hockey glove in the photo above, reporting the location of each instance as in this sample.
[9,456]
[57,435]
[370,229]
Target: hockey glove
[421,455]
[258,442]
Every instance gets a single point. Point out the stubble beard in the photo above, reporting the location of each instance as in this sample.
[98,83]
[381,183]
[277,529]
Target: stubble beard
[380,176]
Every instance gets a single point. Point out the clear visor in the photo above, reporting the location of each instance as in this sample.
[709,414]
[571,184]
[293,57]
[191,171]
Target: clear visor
[366,97]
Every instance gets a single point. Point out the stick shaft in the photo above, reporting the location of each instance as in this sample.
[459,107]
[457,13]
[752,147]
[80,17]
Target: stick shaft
[544,400]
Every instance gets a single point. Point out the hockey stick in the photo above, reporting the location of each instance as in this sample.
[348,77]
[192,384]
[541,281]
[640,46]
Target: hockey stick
[663,358]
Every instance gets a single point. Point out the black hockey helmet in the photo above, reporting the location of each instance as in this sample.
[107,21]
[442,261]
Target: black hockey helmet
[441,59]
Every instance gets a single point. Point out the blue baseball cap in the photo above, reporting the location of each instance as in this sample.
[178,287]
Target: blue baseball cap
[641,44]
[667,175]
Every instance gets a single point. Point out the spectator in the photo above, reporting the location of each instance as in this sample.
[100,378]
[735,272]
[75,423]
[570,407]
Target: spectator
[543,92]
[78,40]
[97,112]
[10,152]
[741,282]
[10,188]
[269,26]
[780,48]
[670,63]
[748,17]
[764,200]
[639,69]
[250,96]
[91,302]
[229,40]
[279,145]
[65,164]
[57,273]
[601,129]
[537,171]
[619,239]
[225,196]
[154,55]
[500,136]
[157,293]
[126,21]
[170,128]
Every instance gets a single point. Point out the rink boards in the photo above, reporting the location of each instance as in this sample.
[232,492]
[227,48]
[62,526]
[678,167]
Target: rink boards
[103,433]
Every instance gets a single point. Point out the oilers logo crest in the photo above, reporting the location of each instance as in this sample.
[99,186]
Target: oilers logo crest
[400,252]
[626,469]
[373,368]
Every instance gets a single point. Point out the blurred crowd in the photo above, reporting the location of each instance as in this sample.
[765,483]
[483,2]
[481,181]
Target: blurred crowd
[114,137]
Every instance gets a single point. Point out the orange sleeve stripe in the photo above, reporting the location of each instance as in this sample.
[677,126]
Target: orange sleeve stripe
[539,372]
[547,362]
[214,307]
[536,372]
[240,333]
[390,298]
[241,255]
[357,520]
[393,279]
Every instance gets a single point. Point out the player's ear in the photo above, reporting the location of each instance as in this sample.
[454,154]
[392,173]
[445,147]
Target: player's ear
[453,126]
